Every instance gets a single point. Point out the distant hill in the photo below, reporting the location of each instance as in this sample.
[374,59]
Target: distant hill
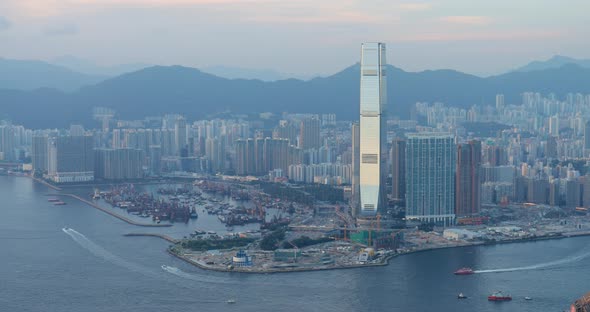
[554,62]
[29,75]
[88,67]
[250,73]
[164,89]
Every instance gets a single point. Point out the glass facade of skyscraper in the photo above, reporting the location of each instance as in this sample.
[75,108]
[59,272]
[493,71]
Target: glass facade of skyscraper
[373,157]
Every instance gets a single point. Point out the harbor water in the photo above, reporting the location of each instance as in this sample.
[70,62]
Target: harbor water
[76,258]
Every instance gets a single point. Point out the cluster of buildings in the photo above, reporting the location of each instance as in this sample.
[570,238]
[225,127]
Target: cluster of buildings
[441,165]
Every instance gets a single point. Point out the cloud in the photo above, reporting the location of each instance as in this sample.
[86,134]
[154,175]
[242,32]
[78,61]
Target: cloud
[466,20]
[415,6]
[61,30]
[4,23]
[488,36]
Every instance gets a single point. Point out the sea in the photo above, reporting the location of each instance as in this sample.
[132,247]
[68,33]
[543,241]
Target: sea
[76,258]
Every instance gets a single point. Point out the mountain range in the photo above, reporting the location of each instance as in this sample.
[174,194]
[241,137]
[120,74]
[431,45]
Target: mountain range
[175,89]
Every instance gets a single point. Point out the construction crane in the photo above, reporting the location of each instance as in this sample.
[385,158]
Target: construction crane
[378,221]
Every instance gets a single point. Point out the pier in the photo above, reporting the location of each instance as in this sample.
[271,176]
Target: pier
[162,236]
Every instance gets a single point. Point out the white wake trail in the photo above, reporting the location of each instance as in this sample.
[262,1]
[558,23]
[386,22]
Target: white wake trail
[559,262]
[100,252]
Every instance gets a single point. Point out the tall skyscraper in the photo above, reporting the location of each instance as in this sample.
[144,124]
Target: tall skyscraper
[355,168]
[180,134]
[398,169]
[468,178]
[309,136]
[430,178]
[373,99]
[39,155]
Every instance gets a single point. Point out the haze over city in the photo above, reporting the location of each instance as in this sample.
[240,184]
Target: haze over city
[299,38]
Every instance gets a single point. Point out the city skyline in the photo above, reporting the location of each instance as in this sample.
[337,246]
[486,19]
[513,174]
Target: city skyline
[427,34]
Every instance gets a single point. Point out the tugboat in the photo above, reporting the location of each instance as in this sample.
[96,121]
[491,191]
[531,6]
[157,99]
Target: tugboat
[464,271]
[499,296]
[461,296]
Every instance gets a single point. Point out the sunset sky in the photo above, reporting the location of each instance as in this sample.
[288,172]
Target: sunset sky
[300,36]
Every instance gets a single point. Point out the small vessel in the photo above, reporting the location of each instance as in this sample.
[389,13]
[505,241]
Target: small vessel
[461,296]
[528,298]
[53,200]
[499,296]
[464,271]
[59,203]
[231,301]
[194,214]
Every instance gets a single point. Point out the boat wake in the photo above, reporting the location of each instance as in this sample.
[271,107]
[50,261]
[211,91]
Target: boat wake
[100,252]
[555,263]
[194,277]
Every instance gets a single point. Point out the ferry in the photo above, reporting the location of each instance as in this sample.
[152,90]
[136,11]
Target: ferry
[464,271]
[499,296]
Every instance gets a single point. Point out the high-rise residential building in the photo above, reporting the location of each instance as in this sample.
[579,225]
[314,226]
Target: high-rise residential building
[430,178]
[155,159]
[40,157]
[587,136]
[309,135]
[286,130]
[180,140]
[398,169]
[499,102]
[551,147]
[77,130]
[355,203]
[7,145]
[71,159]
[372,133]
[554,125]
[118,164]
[468,183]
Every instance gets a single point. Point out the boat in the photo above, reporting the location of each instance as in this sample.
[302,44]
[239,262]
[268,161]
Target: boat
[59,203]
[194,214]
[499,296]
[53,200]
[464,271]
[231,301]
[528,298]
[461,296]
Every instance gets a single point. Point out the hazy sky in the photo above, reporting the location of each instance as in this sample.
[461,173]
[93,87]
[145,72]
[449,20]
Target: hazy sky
[299,36]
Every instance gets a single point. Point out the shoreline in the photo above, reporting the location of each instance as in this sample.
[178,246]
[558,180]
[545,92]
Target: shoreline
[385,261]
[95,206]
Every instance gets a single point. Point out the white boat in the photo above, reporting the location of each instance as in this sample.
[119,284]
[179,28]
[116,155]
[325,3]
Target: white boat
[231,301]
